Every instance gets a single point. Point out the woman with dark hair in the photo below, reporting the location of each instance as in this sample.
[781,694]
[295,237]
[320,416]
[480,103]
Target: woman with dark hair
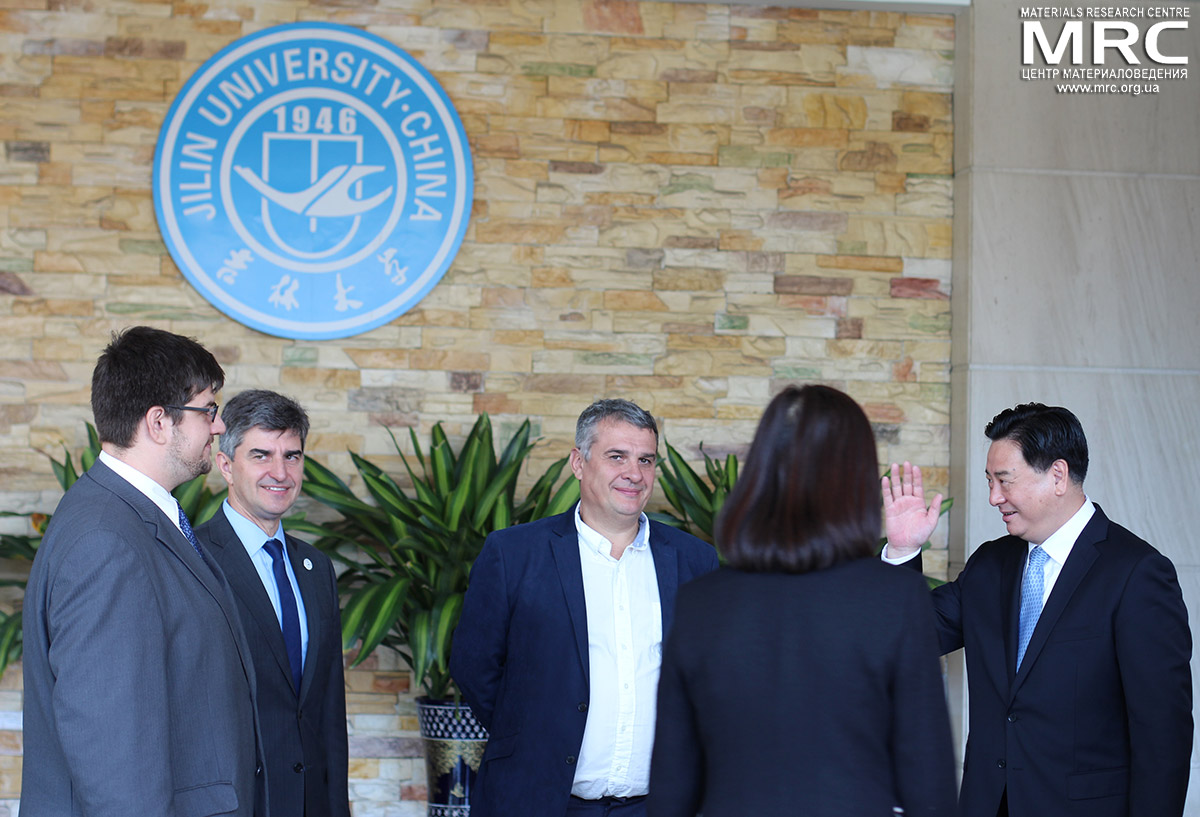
[803,678]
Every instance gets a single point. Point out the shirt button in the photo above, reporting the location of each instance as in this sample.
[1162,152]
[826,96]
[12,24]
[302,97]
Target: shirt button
[1000,764]
[1012,718]
[582,707]
[571,759]
[299,767]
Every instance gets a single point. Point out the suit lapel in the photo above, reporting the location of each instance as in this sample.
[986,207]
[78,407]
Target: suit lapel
[310,593]
[1010,584]
[564,547]
[177,544]
[666,566]
[248,587]
[1083,555]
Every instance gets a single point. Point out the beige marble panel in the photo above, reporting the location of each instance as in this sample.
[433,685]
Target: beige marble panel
[1019,123]
[1069,270]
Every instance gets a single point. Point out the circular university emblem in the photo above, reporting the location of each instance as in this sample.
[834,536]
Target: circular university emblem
[312,181]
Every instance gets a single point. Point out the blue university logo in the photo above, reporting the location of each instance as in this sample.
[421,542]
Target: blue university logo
[312,181]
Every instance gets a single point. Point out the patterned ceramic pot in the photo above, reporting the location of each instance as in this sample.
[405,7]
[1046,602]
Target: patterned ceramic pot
[454,743]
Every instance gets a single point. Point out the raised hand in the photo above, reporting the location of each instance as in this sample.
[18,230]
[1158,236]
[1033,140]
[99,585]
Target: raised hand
[908,520]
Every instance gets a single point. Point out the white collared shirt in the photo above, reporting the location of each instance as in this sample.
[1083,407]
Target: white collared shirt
[253,539]
[156,493]
[1058,546]
[624,619]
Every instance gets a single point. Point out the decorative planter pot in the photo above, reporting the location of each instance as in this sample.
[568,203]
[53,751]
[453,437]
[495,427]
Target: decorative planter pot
[454,743]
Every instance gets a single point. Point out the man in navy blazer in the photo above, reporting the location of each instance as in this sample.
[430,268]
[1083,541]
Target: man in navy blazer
[301,691]
[1076,637]
[560,640]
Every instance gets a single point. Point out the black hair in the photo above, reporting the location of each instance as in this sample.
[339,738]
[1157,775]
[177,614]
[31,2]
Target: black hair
[1044,434]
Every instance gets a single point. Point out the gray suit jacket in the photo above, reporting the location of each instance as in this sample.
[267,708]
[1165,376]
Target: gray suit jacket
[139,689]
[304,736]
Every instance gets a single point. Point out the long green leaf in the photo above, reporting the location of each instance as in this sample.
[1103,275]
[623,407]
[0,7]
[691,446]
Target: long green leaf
[445,619]
[420,642]
[567,496]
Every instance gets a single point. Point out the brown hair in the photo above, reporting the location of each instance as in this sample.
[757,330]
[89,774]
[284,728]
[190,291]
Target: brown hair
[808,497]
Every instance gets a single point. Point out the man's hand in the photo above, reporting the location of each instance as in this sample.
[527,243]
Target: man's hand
[908,521]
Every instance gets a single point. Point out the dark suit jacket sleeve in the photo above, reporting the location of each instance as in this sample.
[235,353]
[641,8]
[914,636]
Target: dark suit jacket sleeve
[333,710]
[106,655]
[922,751]
[479,650]
[1154,648]
[677,762]
[947,605]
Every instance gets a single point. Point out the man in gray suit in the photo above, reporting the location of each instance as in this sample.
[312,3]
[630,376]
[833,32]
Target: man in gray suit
[287,594]
[139,687]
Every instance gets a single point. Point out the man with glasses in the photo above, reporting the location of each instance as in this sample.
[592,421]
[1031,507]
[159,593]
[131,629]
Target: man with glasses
[139,686]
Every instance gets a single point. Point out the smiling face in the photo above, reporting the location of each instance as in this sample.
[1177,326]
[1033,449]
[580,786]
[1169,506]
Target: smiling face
[616,480]
[1033,504]
[190,447]
[264,475]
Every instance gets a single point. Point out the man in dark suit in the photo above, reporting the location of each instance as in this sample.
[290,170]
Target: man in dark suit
[287,594]
[1076,636]
[139,687]
[560,641]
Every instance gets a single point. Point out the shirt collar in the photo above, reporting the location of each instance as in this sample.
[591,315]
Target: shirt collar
[251,534]
[594,540]
[1058,545]
[156,493]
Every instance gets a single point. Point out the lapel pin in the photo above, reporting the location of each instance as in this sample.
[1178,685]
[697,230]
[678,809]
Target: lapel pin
[308,564]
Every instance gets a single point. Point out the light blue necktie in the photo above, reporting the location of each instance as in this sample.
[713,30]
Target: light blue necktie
[1031,598]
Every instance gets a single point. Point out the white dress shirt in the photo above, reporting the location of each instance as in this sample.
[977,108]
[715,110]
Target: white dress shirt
[253,540]
[624,618]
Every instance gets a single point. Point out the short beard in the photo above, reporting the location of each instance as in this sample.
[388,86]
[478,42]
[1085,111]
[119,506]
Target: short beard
[185,468]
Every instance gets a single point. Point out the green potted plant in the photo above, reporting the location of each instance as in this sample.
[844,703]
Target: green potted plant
[198,502]
[406,558]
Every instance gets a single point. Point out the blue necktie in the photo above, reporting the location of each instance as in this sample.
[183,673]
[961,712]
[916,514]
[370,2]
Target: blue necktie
[185,525]
[289,614]
[1031,598]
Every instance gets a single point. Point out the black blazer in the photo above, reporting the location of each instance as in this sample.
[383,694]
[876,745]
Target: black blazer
[1098,722]
[816,694]
[304,737]
[520,656]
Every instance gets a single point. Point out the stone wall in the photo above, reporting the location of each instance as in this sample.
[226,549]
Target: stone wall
[688,205]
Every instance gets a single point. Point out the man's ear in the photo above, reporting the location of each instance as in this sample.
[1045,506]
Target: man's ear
[156,424]
[1062,476]
[577,463]
[225,466]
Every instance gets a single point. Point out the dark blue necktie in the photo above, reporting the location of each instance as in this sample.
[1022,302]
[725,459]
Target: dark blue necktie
[185,526]
[289,614]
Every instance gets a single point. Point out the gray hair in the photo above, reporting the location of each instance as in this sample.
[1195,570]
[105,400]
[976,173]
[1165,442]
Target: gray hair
[259,408]
[622,411]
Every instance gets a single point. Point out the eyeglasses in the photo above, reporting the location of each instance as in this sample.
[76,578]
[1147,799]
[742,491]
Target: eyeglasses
[211,411]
